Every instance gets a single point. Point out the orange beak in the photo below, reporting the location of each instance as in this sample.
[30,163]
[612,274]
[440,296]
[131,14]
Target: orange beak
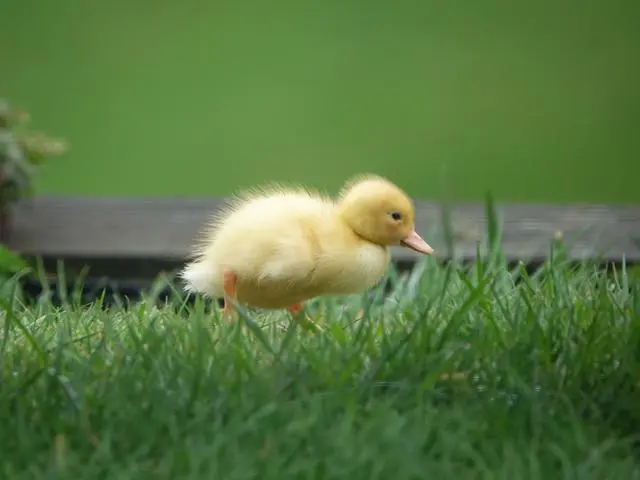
[416,242]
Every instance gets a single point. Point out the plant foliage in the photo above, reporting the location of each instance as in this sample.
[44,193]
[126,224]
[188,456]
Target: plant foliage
[21,152]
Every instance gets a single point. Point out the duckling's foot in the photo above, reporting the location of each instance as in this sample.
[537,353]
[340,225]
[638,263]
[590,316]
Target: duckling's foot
[229,285]
[227,310]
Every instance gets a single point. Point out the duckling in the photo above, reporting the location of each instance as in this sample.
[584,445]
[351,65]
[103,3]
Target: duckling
[275,247]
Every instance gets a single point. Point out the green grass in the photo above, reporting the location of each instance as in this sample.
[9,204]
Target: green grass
[529,100]
[474,372]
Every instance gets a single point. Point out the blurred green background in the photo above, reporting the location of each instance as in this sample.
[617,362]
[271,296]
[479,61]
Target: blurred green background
[534,101]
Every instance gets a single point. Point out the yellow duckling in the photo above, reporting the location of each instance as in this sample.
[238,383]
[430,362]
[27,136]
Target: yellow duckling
[277,247]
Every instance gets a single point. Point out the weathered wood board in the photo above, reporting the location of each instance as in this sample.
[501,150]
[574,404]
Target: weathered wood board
[108,230]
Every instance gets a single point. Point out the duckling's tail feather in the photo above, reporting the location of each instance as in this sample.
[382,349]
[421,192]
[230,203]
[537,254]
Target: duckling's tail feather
[198,278]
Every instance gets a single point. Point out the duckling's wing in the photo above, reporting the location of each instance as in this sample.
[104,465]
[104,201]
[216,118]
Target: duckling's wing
[290,261]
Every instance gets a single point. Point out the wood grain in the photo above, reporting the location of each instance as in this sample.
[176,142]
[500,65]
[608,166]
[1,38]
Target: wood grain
[163,229]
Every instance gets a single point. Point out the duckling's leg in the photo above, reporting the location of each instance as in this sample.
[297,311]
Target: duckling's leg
[302,319]
[295,308]
[229,280]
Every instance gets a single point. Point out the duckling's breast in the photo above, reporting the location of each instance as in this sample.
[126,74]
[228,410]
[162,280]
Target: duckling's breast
[353,271]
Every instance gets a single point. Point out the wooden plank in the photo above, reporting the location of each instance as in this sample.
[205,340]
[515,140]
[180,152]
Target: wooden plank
[101,229]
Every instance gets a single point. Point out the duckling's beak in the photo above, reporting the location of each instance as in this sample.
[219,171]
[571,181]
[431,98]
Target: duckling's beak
[416,242]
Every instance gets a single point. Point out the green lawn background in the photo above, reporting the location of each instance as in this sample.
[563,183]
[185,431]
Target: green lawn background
[534,101]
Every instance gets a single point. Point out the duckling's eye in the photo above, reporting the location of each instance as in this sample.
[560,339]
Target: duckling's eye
[396,216]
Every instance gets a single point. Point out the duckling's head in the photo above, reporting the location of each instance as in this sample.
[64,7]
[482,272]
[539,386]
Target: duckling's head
[380,212]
